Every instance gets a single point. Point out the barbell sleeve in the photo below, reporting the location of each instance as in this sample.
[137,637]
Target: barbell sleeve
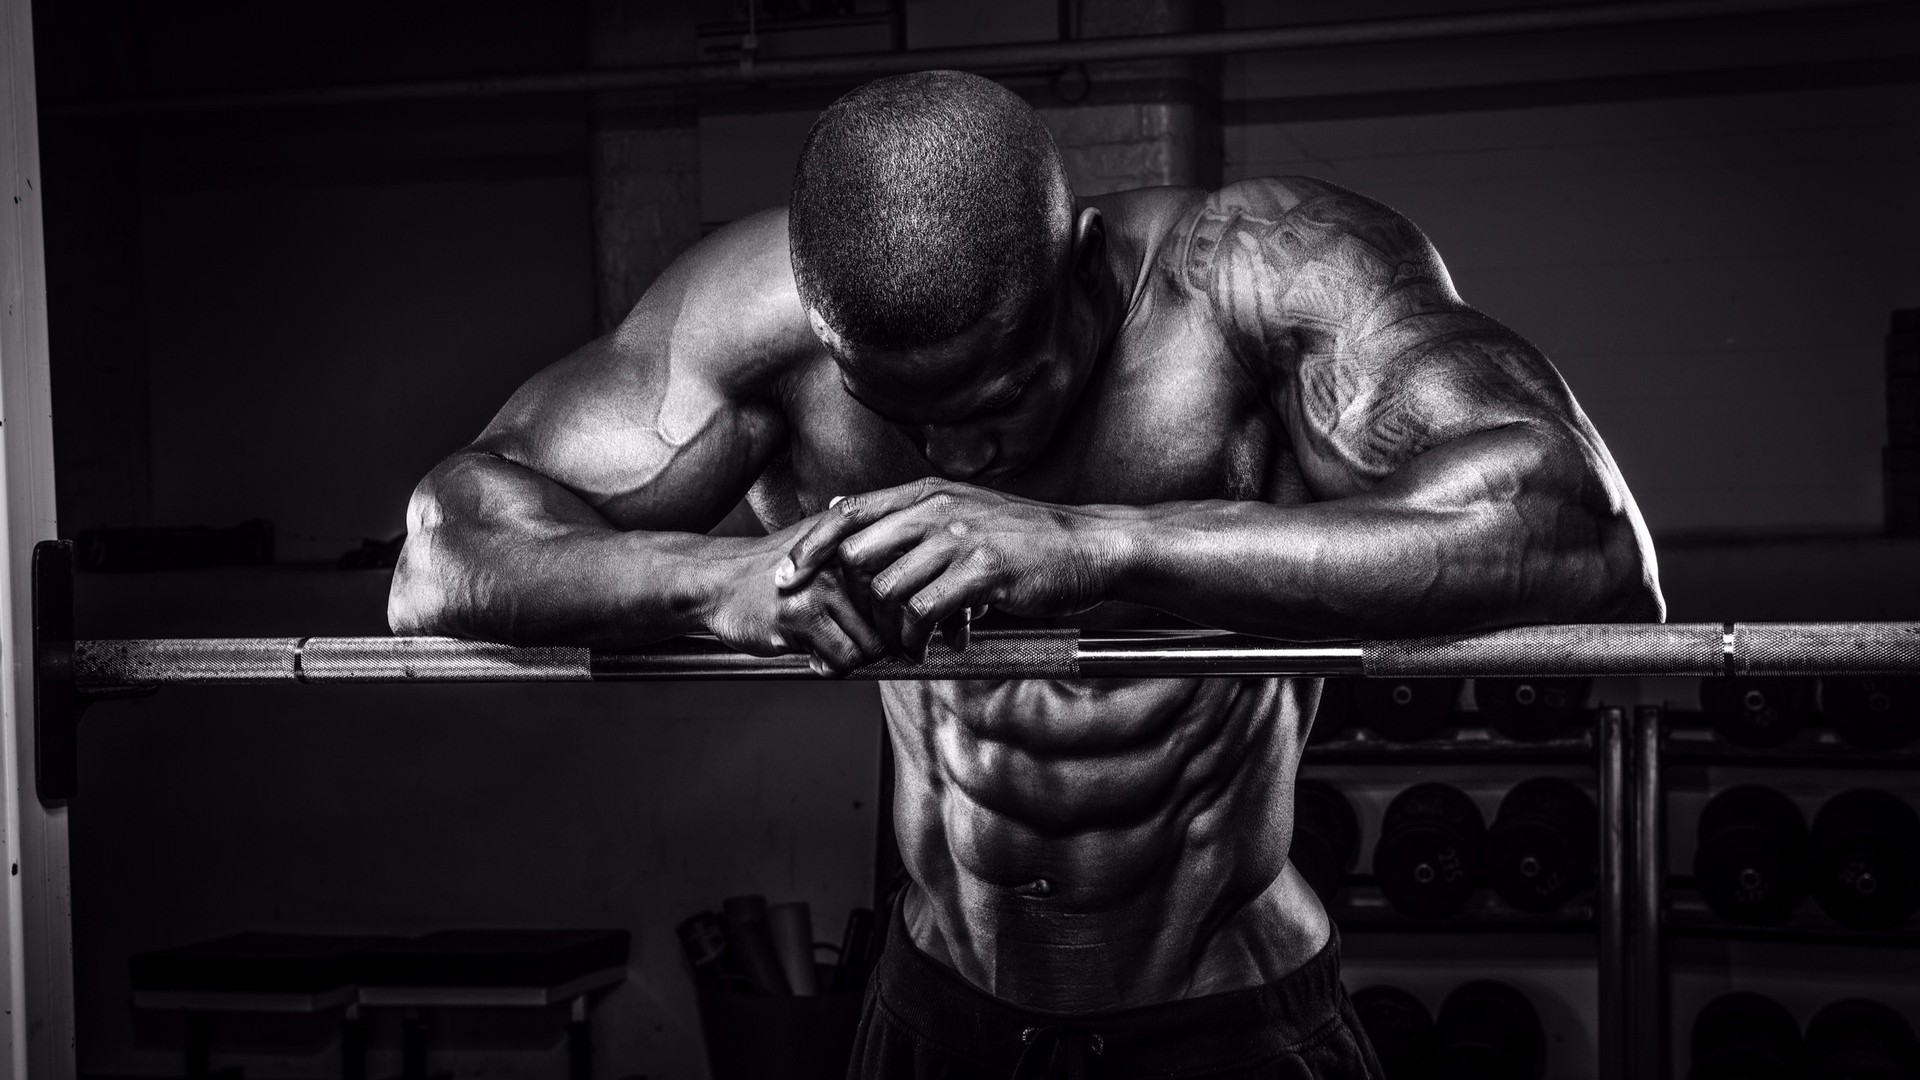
[1597,649]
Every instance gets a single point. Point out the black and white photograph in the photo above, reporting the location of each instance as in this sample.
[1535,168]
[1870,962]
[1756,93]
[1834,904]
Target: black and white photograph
[960,539]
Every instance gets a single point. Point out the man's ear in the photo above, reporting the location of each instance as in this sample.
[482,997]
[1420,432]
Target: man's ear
[1089,244]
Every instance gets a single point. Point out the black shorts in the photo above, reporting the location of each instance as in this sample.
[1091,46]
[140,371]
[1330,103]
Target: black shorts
[921,1019]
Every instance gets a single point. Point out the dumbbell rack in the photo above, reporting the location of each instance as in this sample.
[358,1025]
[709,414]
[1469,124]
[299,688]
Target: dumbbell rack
[1665,906]
[1605,747]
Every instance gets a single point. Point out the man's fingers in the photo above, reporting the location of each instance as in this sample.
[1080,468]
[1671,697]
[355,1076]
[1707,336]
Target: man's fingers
[844,517]
[853,623]
[910,573]
[873,547]
[825,620]
[834,651]
[947,594]
[899,583]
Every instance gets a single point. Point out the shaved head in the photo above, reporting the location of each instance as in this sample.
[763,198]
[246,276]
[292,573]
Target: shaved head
[923,202]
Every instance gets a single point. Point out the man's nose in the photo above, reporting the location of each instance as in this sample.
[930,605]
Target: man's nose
[957,453]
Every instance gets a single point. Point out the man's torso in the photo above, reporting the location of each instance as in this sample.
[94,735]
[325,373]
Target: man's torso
[1099,843]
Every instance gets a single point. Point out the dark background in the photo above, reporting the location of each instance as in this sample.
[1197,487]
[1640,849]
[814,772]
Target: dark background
[293,313]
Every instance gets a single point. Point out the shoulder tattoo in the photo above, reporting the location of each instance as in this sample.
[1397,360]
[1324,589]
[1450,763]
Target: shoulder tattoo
[1348,311]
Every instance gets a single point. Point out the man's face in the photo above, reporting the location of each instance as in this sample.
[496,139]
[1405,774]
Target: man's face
[982,404]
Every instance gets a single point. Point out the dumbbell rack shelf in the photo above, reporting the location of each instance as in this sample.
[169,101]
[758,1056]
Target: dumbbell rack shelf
[1669,906]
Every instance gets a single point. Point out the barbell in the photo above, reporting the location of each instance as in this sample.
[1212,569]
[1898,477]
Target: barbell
[1579,649]
[68,672]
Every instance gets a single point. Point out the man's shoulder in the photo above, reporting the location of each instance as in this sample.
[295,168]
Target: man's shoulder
[727,307]
[1176,230]
[1276,227]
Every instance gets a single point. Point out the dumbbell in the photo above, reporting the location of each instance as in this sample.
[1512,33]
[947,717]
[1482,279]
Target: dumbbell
[1872,713]
[1857,1039]
[1326,836]
[1756,711]
[1532,709]
[1432,851]
[1488,1031]
[1866,859]
[1745,1036]
[1752,855]
[1541,848]
[1335,711]
[1400,1029]
[1404,710]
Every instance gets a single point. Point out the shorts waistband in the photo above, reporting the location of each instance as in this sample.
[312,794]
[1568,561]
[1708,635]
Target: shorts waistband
[1236,1026]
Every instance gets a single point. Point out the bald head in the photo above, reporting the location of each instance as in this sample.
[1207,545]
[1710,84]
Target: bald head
[922,203]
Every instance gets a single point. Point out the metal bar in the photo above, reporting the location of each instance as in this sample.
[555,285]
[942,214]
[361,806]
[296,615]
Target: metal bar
[1017,55]
[1610,900]
[1647,1028]
[1604,649]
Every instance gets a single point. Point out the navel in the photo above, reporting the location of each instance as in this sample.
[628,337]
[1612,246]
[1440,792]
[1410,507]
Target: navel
[1037,889]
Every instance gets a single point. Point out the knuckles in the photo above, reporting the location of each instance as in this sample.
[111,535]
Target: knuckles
[851,554]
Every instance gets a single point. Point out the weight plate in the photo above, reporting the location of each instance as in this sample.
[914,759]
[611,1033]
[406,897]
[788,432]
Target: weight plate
[1750,864]
[1432,850]
[1541,847]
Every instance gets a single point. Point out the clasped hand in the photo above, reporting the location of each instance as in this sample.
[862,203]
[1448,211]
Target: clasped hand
[924,557]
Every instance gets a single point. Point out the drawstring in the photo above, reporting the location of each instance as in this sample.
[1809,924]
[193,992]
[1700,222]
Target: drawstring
[1056,1051]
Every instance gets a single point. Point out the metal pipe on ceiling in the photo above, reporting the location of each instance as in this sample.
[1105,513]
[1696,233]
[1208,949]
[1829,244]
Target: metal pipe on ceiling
[981,58]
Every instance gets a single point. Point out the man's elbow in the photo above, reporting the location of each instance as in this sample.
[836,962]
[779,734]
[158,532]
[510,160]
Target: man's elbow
[1629,572]
[414,605]
[418,601]
[1640,599]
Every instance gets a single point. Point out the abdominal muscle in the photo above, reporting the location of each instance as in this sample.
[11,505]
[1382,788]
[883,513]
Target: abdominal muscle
[1100,844]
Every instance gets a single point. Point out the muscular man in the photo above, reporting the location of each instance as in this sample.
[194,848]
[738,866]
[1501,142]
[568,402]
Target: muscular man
[945,384]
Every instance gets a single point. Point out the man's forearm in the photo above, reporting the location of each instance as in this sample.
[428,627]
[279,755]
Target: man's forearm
[496,551]
[1487,534]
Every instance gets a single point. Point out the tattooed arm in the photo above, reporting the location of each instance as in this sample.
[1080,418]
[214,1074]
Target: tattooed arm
[1459,484]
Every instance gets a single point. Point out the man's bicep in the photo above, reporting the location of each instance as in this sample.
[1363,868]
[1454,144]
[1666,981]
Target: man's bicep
[1358,415]
[665,422]
[1348,313]
[645,446]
